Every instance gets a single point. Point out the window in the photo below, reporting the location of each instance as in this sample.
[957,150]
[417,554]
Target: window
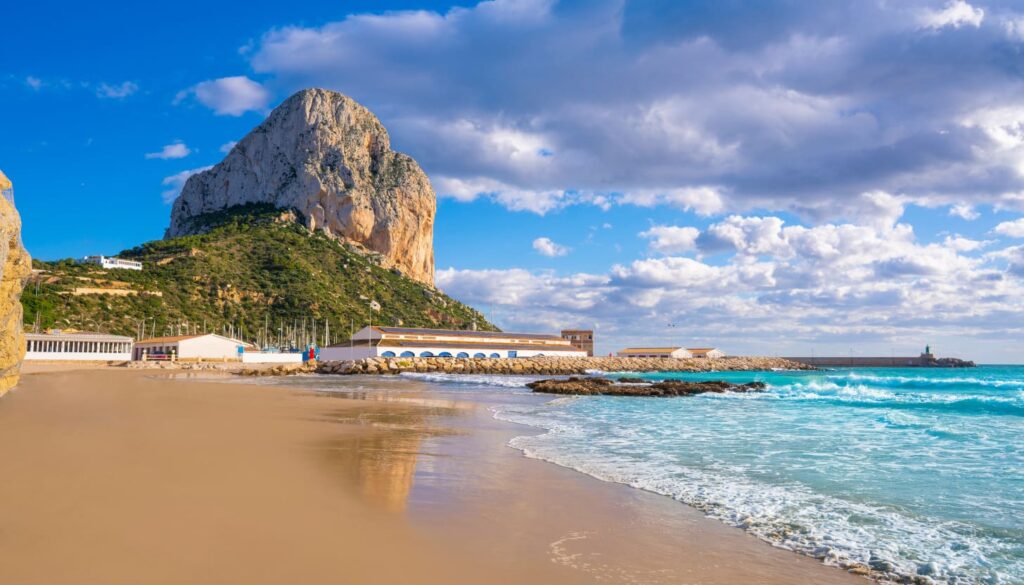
[494,355]
[426,354]
[388,354]
[444,354]
[408,354]
[479,355]
[462,355]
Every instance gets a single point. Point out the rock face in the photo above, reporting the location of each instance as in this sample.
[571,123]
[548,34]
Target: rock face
[15,267]
[330,159]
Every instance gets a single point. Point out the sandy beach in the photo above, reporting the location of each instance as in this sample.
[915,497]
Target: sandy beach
[119,476]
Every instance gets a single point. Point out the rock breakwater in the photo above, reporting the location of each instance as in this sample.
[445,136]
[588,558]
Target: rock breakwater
[627,387]
[554,366]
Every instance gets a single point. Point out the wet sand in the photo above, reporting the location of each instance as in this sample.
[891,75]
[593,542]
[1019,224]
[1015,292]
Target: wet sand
[115,476]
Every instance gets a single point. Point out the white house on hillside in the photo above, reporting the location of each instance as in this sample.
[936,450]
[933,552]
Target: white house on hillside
[109,262]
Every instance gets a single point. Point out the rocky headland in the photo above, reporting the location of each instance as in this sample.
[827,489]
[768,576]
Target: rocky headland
[15,267]
[328,158]
[592,386]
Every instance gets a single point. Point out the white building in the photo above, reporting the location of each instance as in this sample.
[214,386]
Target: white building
[707,352]
[202,346]
[111,262]
[655,352]
[78,347]
[377,341]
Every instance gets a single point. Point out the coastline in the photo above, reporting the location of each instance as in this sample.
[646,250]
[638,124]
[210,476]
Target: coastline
[219,478]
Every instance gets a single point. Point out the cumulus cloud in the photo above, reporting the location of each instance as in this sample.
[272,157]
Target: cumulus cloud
[116,91]
[171,151]
[806,285]
[1012,229]
[955,14]
[227,146]
[547,247]
[34,82]
[650,103]
[671,239]
[228,96]
[964,211]
[175,182]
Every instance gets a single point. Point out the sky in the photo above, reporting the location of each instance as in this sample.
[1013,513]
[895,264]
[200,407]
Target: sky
[773,177]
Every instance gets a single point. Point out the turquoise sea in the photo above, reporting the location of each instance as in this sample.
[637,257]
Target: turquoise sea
[915,472]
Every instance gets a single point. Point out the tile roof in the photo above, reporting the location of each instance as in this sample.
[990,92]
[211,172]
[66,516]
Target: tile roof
[650,349]
[461,333]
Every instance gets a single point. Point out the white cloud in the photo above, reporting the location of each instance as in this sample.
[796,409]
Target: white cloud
[547,247]
[962,244]
[646,102]
[1012,229]
[176,181]
[964,211]
[34,82]
[227,146]
[779,288]
[118,91]
[228,96]
[171,151]
[702,200]
[672,239]
[955,14]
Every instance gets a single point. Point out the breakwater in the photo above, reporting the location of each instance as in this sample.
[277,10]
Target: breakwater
[555,366]
[922,361]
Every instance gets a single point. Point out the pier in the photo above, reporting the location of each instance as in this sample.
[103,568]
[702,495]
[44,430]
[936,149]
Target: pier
[925,360]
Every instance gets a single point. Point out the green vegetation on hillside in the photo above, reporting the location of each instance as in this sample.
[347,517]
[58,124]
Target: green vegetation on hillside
[255,272]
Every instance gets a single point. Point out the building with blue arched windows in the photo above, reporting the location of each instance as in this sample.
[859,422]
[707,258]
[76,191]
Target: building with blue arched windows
[377,341]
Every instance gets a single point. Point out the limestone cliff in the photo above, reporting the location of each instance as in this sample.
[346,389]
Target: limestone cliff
[330,159]
[15,267]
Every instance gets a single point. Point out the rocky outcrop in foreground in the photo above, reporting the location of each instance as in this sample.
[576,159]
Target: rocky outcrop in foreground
[555,366]
[628,387]
[15,267]
[329,158]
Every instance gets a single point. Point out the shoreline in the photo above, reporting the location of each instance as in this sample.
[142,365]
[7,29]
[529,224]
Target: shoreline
[219,476]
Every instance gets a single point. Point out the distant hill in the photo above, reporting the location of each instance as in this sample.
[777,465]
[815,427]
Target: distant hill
[254,271]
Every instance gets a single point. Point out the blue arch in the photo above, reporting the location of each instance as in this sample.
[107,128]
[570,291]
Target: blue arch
[479,355]
[427,354]
[462,354]
[494,355]
[388,354]
[444,354]
[408,354]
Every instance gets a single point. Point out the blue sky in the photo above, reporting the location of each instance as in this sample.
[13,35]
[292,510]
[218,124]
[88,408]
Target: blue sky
[770,177]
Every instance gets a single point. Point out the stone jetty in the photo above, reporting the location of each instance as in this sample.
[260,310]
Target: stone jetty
[554,366]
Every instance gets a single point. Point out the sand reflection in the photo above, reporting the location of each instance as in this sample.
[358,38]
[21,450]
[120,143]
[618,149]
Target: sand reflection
[381,464]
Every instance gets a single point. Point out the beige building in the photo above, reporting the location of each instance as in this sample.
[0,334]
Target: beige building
[202,346]
[580,338]
[655,352]
[706,352]
[374,341]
